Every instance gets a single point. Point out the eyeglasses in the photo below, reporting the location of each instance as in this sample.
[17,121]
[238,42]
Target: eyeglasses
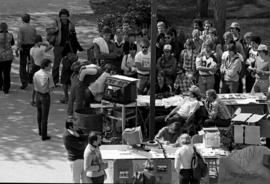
[144,47]
[167,37]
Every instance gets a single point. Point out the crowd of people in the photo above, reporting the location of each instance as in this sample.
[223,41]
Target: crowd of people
[200,66]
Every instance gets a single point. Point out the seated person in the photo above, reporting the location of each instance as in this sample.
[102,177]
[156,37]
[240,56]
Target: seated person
[182,112]
[218,112]
[169,134]
[163,90]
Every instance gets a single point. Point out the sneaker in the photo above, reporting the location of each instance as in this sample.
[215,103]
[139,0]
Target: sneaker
[46,138]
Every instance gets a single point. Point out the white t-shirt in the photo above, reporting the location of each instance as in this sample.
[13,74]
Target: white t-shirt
[145,61]
[189,106]
[38,54]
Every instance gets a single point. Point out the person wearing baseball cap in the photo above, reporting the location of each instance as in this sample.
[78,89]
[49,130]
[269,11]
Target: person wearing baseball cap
[262,70]
[167,63]
[235,30]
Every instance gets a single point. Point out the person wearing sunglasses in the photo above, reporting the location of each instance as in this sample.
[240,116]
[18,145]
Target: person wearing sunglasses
[143,63]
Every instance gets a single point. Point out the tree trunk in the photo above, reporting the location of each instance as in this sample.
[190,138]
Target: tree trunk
[220,7]
[202,6]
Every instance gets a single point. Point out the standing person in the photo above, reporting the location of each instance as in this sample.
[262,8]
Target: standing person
[37,54]
[105,51]
[65,41]
[206,65]
[66,73]
[255,41]
[167,63]
[159,45]
[143,62]
[6,57]
[43,83]
[182,161]
[75,143]
[26,40]
[128,62]
[93,163]
[262,70]
[230,70]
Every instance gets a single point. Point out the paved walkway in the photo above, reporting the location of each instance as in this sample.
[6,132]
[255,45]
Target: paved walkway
[23,156]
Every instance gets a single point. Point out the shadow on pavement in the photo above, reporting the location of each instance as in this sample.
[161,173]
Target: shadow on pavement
[19,133]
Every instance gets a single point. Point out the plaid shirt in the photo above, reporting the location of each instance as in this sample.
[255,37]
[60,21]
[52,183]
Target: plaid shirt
[187,61]
[183,83]
[218,110]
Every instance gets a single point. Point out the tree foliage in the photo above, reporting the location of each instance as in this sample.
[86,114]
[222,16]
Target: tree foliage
[113,12]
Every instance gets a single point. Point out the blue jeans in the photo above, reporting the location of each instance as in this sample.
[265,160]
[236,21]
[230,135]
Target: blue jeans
[206,82]
[229,86]
[43,106]
[260,86]
[144,82]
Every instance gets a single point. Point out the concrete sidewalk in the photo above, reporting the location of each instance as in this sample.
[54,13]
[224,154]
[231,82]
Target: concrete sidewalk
[23,156]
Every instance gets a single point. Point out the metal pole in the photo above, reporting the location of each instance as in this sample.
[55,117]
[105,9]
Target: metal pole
[153,68]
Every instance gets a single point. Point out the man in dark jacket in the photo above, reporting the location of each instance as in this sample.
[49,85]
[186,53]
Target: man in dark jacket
[75,142]
[64,40]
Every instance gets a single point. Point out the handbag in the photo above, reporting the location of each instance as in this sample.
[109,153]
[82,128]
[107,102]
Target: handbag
[198,165]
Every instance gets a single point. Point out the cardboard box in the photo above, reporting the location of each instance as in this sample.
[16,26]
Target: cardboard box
[246,134]
[211,137]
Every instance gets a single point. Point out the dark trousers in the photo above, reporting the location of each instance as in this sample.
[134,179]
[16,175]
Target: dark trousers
[97,180]
[185,177]
[217,122]
[24,56]
[5,67]
[160,121]
[43,102]
[80,95]
[58,55]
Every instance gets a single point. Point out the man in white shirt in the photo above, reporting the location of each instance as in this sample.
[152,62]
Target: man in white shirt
[182,161]
[182,112]
[43,83]
[143,64]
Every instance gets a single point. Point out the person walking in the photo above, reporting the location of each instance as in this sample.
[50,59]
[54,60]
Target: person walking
[93,163]
[6,57]
[43,83]
[65,41]
[26,40]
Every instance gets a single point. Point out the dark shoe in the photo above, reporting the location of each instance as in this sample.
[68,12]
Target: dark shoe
[46,138]
[63,101]
[23,86]
[33,104]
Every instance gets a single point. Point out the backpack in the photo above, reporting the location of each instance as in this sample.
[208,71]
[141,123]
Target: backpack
[198,165]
